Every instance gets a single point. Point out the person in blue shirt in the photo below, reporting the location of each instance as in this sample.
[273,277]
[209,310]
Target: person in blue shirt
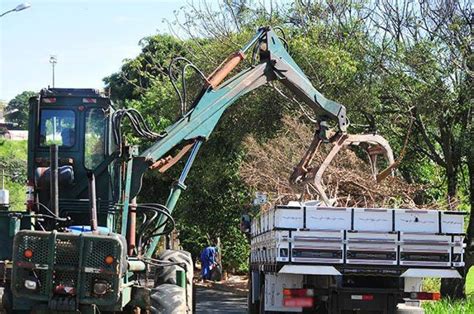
[208,261]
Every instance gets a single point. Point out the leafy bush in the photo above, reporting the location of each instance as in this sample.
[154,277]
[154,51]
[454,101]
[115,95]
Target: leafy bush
[13,162]
[448,306]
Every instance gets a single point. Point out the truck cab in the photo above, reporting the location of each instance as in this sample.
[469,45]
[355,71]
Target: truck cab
[78,121]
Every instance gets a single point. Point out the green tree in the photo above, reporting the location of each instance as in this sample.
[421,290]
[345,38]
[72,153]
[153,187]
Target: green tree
[17,109]
[387,62]
[425,55]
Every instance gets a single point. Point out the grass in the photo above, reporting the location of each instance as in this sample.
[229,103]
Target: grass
[14,151]
[448,306]
[470,283]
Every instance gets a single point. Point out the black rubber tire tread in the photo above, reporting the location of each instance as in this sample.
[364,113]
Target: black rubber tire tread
[261,304]
[167,274]
[252,308]
[167,299]
[5,301]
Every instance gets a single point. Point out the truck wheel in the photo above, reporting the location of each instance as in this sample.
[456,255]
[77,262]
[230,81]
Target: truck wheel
[261,302]
[253,308]
[167,274]
[168,299]
[6,301]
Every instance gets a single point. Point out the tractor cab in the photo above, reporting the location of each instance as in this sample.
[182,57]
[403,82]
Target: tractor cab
[78,122]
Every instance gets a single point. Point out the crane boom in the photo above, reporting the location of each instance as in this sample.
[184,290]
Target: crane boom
[200,121]
[275,64]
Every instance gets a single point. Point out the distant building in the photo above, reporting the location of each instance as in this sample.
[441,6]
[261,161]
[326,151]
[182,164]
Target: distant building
[14,135]
[9,130]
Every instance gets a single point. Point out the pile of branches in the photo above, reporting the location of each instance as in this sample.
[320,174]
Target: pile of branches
[348,180]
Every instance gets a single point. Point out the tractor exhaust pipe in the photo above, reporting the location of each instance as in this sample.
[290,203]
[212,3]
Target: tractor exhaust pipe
[54,186]
[92,202]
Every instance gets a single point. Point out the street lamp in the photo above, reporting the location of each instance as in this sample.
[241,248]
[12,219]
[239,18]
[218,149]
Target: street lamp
[53,59]
[19,7]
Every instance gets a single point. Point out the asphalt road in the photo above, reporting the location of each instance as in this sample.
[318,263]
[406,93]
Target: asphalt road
[215,301]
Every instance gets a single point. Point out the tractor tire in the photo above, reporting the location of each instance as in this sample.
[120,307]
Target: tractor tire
[252,308]
[5,301]
[167,274]
[261,304]
[168,299]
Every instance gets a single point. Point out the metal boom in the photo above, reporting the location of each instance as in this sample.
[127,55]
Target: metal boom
[275,65]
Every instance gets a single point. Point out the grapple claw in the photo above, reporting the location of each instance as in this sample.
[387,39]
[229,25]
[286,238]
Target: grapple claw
[373,144]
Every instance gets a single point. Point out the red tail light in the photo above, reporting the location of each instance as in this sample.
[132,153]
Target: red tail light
[425,295]
[362,297]
[298,297]
[28,253]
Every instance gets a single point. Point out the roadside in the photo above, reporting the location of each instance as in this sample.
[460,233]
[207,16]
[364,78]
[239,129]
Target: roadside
[211,300]
[234,284]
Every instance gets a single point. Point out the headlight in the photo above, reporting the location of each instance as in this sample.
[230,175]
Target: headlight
[100,287]
[30,284]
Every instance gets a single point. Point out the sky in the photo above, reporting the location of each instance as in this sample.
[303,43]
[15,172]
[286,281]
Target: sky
[90,38]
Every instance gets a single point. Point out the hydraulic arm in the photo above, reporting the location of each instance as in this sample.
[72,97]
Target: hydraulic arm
[275,64]
[197,124]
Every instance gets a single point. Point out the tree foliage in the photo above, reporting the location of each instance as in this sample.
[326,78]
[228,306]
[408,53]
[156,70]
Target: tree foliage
[13,165]
[393,64]
[17,109]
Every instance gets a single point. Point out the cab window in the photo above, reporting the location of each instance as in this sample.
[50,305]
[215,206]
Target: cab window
[94,141]
[57,126]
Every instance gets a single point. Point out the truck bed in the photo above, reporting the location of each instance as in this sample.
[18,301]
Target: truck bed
[357,237]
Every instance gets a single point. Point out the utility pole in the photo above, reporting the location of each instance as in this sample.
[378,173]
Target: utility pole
[53,59]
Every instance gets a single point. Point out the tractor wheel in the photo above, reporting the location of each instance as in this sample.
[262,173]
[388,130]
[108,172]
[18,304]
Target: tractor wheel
[262,299]
[253,308]
[6,301]
[167,274]
[168,299]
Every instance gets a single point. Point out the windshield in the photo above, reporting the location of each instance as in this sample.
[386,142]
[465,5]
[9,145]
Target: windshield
[94,141]
[57,126]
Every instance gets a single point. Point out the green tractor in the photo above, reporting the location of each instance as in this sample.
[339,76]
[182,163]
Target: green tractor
[68,252]
[84,244]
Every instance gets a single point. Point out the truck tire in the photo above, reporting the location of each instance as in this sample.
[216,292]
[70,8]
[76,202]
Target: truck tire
[253,308]
[261,302]
[5,301]
[168,299]
[167,274]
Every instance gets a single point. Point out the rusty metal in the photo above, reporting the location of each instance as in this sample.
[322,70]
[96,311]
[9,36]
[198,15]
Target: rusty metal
[389,170]
[225,68]
[374,144]
[165,163]
[160,163]
[303,167]
[132,227]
